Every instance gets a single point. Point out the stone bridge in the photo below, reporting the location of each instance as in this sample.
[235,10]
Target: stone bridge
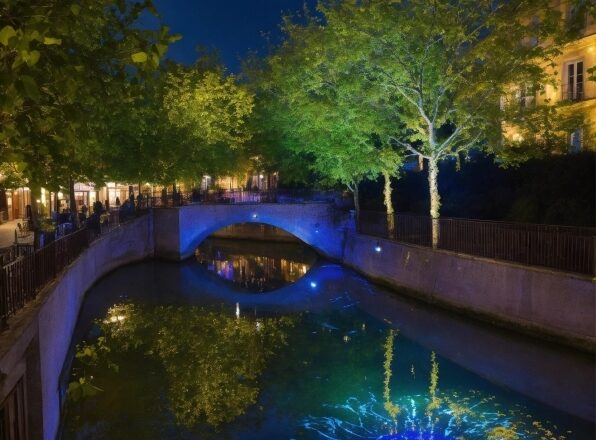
[178,231]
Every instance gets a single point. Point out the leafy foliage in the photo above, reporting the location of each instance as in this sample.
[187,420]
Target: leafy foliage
[441,67]
[211,360]
[64,64]
[316,109]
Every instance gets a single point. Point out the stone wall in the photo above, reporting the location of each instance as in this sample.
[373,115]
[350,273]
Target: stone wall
[36,343]
[554,305]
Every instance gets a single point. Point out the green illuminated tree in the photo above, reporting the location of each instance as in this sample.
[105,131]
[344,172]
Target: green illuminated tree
[139,143]
[64,65]
[213,110]
[443,66]
[320,110]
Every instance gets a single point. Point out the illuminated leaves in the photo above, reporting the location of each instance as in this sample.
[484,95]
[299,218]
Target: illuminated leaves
[212,106]
[49,41]
[65,63]
[6,34]
[139,57]
[318,108]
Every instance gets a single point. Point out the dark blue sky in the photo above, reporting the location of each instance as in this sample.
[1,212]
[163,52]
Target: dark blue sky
[232,26]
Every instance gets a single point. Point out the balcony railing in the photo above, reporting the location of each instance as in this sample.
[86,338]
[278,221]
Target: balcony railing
[573,92]
[517,102]
[565,248]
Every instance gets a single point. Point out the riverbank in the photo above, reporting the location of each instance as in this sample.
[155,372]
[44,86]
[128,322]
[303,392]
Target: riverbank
[35,344]
[556,306]
[551,305]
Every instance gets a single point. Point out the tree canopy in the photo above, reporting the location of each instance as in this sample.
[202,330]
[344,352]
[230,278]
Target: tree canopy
[64,64]
[320,110]
[437,69]
[351,91]
[86,97]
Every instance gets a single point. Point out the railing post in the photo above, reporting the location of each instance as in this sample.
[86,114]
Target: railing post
[3,300]
[592,257]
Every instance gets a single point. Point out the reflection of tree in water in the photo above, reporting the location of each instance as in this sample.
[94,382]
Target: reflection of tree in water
[435,415]
[211,361]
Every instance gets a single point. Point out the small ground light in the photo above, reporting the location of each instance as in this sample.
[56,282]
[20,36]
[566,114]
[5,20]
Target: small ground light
[378,247]
[313,284]
[254,215]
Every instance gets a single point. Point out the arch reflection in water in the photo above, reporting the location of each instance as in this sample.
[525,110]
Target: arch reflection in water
[264,268]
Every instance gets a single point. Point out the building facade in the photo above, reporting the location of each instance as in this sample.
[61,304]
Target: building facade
[573,91]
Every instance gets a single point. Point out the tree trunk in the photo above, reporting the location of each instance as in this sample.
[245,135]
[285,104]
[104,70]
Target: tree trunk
[56,203]
[71,196]
[387,191]
[435,199]
[73,203]
[356,203]
[35,192]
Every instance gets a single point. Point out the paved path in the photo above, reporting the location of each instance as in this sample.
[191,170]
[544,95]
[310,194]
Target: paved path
[7,234]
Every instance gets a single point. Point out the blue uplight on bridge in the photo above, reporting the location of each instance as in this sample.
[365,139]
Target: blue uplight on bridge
[313,284]
[254,215]
[378,247]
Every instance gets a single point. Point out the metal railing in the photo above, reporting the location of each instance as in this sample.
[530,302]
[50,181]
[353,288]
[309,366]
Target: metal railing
[15,251]
[246,197]
[565,248]
[24,276]
[573,92]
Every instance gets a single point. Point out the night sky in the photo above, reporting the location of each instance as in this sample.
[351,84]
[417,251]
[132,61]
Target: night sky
[234,27]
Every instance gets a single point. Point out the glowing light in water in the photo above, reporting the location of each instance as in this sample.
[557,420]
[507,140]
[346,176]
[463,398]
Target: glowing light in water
[116,318]
[237,310]
[436,415]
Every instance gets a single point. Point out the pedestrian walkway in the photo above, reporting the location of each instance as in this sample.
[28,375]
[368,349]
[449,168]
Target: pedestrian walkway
[7,236]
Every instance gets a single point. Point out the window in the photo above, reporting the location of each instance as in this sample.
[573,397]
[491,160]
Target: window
[532,41]
[576,17]
[576,141]
[526,95]
[574,81]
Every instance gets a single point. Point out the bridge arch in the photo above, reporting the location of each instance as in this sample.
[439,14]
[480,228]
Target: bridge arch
[178,231]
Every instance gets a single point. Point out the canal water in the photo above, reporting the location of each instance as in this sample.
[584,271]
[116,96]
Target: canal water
[253,340]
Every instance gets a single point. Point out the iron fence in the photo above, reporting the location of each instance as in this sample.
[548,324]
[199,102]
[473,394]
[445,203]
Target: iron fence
[14,252]
[247,197]
[29,271]
[565,248]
